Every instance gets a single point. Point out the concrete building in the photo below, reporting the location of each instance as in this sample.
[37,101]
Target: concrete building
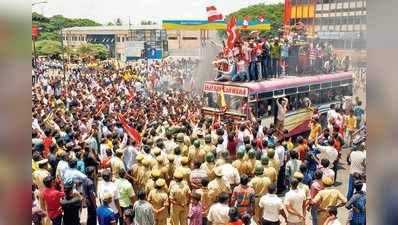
[117,38]
[340,22]
[187,42]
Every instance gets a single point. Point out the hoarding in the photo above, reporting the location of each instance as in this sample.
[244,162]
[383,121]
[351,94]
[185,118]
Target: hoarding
[134,48]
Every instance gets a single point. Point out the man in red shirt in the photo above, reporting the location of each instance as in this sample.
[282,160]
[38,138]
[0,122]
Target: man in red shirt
[302,147]
[52,198]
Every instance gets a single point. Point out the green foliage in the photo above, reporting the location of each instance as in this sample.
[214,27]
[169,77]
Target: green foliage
[48,47]
[93,50]
[273,12]
[50,27]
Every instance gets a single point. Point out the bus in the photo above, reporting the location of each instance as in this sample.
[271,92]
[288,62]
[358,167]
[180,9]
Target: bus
[320,90]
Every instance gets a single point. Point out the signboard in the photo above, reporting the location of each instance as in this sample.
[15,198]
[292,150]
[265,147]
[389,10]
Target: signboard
[229,90]
[212,87]
[234,90]
[217,25]
[134,48]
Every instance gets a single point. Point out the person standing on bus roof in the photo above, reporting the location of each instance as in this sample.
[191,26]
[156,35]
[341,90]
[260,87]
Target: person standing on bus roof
[282,109]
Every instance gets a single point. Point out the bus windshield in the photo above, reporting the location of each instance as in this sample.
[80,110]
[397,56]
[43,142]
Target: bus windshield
[234,103]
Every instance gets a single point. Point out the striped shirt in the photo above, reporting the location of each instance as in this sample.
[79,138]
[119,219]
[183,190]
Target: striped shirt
[196,176]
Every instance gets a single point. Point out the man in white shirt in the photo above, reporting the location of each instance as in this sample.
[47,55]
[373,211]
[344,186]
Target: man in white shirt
[230,174]
[358,165]
[328,152]
[106,185]
[218,212]
[271,206]
[331,113]
[295,204]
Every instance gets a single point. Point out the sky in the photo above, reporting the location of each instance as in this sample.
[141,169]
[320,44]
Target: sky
[104,11]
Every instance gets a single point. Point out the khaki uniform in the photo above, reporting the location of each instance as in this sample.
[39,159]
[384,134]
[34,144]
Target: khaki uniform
[159,199]
[325,198]
[240,165]
[179,199]
[276,164]
[209,148]
[185,171]
[217,186]
[270,172]
[138,173]
[251,167]
[260,185]
[209,167]
[195,154]
[184,149]
[149,186]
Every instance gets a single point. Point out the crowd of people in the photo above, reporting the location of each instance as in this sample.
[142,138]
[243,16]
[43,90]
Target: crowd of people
[123,144]
[256,58]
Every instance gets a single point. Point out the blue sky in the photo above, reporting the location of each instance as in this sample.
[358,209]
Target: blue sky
[104,11]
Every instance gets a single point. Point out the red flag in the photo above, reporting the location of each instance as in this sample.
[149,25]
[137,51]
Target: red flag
[232,33]
[261,18]
[133,133]
[245,22]
[213,14]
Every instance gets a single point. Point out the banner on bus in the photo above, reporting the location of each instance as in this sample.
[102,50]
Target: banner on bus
[234,90]
[228,90]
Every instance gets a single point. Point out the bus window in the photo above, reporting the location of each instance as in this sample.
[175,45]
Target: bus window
[264,108]
[315,97]
[211,99]
[293,102]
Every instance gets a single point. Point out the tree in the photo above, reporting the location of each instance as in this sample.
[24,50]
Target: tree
[50,26]
[110,24]
[273,12]
[93,50]
[119,22]
[48,47]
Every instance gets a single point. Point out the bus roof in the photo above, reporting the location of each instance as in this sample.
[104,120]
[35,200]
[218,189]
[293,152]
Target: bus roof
[281,83]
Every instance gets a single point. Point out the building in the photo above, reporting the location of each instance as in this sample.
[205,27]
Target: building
[186,37]
[118,39]
[339,22]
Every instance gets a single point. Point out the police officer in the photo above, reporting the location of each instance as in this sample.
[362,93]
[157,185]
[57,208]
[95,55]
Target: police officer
[138,172]
[218,185]
[273,161]
[269,171]
[179,200]
[159,199]
[150,184]
[251,162]
[181,144]
[196,153]
[260,185]
[209,165]
[239,163]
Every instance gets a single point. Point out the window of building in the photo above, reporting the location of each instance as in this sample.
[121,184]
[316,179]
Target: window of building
[117,39]
[123,39]
[172,38]
[189,38]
